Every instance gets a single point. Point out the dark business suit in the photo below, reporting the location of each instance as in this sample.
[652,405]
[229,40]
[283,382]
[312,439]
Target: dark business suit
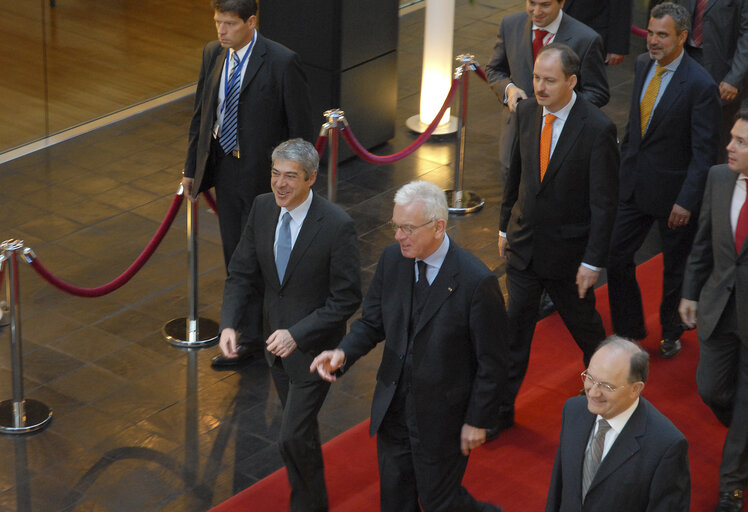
[646,469]
[512,62]
[554,225]
[717,277]
[274,106]
[667,166]
[319,292]
[447,370]
[609,18]
[723,52]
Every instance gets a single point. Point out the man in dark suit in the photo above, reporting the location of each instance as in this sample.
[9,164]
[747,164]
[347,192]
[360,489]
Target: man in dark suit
[509,72]
[441,314]
[557,212]
[271,104]
[719,42]
[670,143]
[609,18]
[298,262]
[715,296]
[618,453]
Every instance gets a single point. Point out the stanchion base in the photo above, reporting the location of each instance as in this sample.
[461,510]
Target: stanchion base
[36,417]
[414,124]
[464,201]
[177,333]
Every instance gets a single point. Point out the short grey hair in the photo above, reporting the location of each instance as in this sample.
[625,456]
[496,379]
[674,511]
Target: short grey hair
[679,14]
[432,197]
[639,370]
[299,151]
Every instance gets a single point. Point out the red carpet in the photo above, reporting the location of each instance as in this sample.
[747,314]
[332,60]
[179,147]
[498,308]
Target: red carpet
[514,470]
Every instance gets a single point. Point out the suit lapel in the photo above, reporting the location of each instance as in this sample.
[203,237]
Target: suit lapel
[266,245]
[625,446]
[635,115]
[442,287]
[214,83]
[583,424]
[254,63]
[571,131]
[536,128]
[674,91]
[309,229]
[525,49]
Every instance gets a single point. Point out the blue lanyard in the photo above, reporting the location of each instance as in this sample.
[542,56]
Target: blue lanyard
[237,74]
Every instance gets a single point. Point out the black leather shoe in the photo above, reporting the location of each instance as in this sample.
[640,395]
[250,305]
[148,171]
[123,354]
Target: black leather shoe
[670,348]
[245,355]
[547,307]
[730,501]
[506,420]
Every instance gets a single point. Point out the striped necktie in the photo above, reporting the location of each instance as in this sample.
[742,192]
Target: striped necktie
[231,107]
[593,456]
[650,95]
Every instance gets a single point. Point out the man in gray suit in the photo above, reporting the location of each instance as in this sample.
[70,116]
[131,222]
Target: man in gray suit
[715,298]
[521,35]
[719,42]
[298,262]
[617,452]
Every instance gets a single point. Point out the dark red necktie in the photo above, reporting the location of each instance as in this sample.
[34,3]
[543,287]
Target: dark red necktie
[537,43]
[741,230]
[698,23]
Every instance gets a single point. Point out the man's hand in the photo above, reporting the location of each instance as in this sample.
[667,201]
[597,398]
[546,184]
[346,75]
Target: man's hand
[614,59]
[281,343]
[687,310]
[471,438]
[679,216]
[513,95]
[727,92]
[187,184]
[503,244]
[327,363]
[586,278]
[228,342]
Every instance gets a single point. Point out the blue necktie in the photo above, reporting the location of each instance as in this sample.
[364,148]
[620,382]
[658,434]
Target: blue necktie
[231,108]
[283,250]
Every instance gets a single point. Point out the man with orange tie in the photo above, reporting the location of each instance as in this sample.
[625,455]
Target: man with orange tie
[558,209]
[670,142]
[715,298]
[520,37]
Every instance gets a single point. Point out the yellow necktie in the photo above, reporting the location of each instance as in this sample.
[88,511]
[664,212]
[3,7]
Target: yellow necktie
[650,95]
[545,144]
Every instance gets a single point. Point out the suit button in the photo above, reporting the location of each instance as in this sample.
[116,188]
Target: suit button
[280,295]
[401,357]
[394,382]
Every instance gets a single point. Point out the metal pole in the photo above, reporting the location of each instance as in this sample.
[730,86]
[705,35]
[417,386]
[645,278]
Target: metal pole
[333,117]
[192,331]
[19,415]
[462,201]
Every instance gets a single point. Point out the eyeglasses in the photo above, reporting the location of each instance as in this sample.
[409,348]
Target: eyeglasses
[586,377]
[408,229]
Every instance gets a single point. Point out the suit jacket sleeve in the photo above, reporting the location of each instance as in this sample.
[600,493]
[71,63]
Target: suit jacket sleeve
[555,489]
[671,484]
[619,23]
[701,258]
[345,289]
[488,334]
[511,188]
[497,69]
[739,67]
[593,80]
[604,164]
[194,131]
[297,101]
[705,119]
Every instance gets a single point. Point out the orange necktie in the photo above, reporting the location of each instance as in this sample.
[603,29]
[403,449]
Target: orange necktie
[545,143]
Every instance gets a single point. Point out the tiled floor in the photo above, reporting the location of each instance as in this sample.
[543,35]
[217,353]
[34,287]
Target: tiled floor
[139,425]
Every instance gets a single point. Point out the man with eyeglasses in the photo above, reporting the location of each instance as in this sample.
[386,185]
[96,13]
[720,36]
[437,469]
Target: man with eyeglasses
[617,452]
[441,315]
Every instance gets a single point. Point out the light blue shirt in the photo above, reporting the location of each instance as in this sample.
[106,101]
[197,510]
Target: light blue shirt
[664,82]
[434,260]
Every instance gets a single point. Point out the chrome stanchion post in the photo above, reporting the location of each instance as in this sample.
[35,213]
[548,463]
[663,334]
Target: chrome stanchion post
[19,415]
[192,331]
[333,117]
[463,201]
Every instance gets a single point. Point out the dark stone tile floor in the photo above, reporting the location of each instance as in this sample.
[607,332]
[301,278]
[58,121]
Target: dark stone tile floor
[138,424]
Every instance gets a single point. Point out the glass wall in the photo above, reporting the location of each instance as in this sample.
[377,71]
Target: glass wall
[66,62]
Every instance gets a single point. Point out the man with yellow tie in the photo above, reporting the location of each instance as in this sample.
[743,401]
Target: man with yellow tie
[671,141]
[558,209]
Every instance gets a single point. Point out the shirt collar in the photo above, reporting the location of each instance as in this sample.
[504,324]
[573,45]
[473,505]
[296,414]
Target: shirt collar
[563,112]
[298,214]
[552,27]
[436,258]
[618,422]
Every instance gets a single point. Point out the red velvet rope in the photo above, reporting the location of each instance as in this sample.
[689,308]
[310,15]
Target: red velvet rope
[320,144]
[638,31]
[482,74]
[361,151]
[127,274]
[211,201]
